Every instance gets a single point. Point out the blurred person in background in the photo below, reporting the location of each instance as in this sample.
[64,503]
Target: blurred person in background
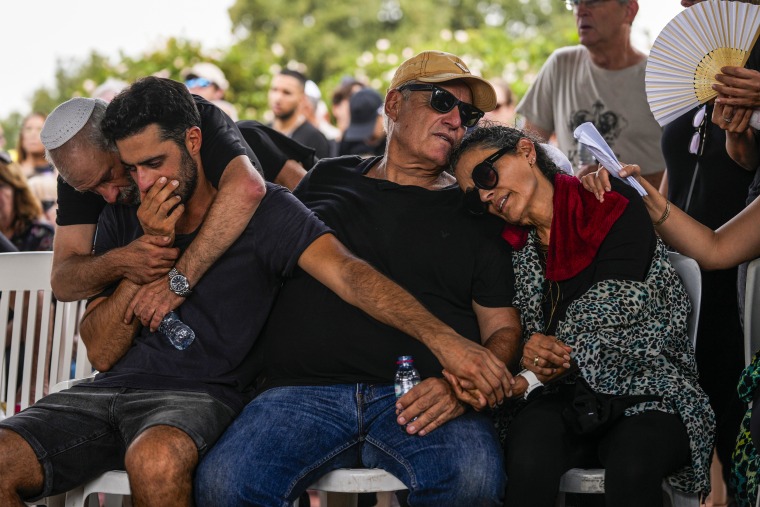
[208,81]
[40,173]
[107,90]
[21,217]
[341,110]
[315,114]
[506,102]
[2,142]
[287,92]
[31,152]
[365,135]
[601,81]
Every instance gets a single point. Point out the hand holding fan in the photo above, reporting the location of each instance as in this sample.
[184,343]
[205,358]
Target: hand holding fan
[691,50]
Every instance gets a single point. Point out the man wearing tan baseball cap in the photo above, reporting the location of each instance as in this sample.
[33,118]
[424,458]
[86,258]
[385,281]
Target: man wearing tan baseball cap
[402,213]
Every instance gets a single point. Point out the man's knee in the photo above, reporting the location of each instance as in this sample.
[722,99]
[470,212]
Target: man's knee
[20,471]
[160,453]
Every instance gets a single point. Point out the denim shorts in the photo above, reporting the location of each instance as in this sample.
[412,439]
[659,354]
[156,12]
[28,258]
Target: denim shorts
[81,432]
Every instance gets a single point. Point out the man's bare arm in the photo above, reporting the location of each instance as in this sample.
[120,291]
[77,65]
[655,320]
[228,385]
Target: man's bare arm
[290,175]
[356,282]
[103,329]
[500,331]
[77,274]
[241,189]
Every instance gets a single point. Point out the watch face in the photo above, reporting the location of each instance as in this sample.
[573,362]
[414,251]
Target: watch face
[178,283]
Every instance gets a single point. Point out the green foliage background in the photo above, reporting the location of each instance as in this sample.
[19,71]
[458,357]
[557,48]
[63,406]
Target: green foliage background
[330,39]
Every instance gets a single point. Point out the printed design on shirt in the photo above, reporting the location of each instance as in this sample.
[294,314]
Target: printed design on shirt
[610,125]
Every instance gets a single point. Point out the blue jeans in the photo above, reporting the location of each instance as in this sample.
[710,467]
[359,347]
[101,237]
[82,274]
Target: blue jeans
[288,437]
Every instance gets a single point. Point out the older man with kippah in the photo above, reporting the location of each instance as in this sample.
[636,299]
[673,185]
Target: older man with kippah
[326,393]
[91,174]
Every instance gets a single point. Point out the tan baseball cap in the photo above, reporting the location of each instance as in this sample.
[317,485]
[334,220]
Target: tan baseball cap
[439,67]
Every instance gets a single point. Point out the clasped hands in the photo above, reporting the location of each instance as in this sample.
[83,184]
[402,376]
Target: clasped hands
[473,376]
[158,214]
[738,96]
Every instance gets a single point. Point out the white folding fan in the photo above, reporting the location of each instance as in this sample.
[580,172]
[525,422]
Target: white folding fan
[691,50]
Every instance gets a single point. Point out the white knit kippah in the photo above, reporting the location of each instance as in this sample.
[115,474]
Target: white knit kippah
[65,121]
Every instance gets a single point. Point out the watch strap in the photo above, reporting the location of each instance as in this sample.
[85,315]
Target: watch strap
[533,382]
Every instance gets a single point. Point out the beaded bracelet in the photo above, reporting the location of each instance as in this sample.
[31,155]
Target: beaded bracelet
[664,216]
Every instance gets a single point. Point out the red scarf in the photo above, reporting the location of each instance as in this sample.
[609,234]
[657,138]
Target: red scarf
[579,225]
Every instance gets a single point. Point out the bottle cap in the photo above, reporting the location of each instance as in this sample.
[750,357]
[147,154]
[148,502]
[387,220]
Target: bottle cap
[404,359]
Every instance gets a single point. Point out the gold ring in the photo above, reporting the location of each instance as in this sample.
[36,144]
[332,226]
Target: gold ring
[535,361]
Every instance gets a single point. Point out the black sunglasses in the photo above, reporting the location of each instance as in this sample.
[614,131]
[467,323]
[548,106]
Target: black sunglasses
[484,174]
[444,101]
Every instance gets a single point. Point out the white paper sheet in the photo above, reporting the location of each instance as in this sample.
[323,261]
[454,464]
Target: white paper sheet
[589,136]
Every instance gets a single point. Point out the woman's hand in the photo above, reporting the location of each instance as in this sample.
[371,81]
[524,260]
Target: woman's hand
[599,182]
[738,87]
[732,119]
[545,355]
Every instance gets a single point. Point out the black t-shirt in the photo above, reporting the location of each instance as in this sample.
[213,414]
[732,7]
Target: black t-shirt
[309,135]
[625,254]
[227,308]
[222,142]
[274,148]
[361,148]
[424,240]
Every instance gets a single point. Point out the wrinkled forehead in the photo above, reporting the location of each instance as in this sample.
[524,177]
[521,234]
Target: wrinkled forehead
[89,166]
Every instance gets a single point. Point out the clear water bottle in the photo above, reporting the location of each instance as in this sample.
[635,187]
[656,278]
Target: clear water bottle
[406,376]
[179,334]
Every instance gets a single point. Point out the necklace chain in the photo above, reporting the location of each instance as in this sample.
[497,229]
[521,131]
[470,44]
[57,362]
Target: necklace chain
[549,292]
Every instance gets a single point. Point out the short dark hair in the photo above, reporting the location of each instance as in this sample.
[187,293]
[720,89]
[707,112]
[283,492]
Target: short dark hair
[152,100]
[294,73]
[496,136]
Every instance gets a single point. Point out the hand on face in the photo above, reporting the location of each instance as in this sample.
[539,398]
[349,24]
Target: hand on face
[160,208]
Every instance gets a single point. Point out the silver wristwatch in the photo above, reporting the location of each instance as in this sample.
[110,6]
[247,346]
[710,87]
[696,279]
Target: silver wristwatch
[178,283]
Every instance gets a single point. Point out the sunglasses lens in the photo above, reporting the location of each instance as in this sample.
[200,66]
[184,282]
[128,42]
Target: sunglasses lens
[484,176]
[442,101]
[470,114]
[694,144]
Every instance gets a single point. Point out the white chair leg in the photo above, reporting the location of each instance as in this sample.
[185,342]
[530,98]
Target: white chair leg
[75,498]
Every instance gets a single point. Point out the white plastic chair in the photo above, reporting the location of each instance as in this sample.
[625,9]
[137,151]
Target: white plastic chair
[353,481]
[752,311]
[26,276]
[591,481]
